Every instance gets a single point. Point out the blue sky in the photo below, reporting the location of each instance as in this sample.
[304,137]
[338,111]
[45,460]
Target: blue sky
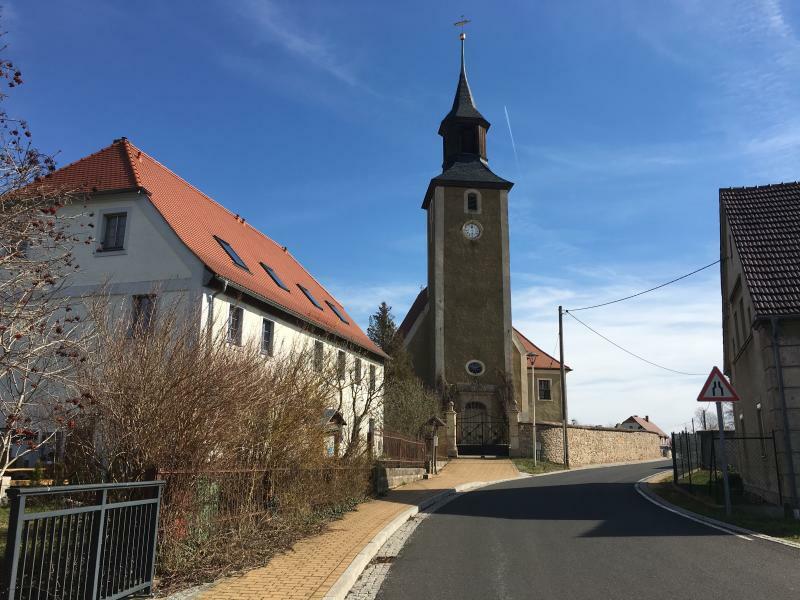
[317,122]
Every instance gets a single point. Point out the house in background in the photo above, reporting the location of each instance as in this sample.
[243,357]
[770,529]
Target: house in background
[158,234]
[637,423]
[760,285]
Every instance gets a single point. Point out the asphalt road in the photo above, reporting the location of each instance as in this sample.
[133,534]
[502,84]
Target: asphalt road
[582,534]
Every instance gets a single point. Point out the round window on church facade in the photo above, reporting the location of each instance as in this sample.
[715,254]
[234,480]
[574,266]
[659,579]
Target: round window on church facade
[475,367]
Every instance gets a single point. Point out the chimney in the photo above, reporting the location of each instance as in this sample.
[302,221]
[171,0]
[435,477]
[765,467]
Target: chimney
[647,418]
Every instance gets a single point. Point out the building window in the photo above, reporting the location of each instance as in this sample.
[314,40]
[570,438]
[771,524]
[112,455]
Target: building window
[760,422]
[319,356]
[735,336]
[469,140]
[114,231]
[271,272]
[142,313]
[745,326]
[475,367]
[372,381]
[235,318]
[544,389]
[237,260]
[358,370]
[267,335]
[472,202]
[341,364]
[337,312]
[309,296]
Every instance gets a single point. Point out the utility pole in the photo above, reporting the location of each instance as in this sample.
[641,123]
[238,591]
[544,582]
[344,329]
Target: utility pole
[563,383]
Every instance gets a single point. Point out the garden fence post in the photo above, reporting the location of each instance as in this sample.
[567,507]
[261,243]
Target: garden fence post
[15,524]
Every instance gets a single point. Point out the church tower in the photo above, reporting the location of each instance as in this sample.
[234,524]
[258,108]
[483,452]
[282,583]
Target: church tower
[459,331]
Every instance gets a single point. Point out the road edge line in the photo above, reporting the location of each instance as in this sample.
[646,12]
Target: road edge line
[729,528]
[346,581]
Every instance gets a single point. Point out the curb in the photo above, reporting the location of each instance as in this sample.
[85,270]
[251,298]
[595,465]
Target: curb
[598,466]
[739,532]
[344,584]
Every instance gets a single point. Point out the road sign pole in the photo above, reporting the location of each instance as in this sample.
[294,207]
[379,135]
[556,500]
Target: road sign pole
[723,454]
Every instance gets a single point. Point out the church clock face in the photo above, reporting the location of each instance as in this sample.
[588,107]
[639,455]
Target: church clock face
[472,230]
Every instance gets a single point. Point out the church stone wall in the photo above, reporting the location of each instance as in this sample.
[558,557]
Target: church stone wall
[593,445]
[473,289]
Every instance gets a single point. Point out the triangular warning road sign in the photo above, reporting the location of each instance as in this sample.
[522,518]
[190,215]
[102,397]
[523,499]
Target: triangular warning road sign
[717,389]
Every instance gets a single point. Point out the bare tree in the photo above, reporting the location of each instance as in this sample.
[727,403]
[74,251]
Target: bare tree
[169,397]
[41,336]
[359,395]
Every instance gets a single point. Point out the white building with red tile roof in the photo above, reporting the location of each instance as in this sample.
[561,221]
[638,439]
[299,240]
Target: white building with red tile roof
[157,232]
[637,423]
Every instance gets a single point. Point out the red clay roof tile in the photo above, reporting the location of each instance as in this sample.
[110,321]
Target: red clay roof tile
[196,219]
[542,360]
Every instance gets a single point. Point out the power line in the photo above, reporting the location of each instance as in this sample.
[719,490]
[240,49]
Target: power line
[658,287]
[649,362]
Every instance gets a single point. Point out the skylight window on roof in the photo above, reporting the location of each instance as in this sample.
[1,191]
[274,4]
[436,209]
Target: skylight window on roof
[336,310]
[271,272]
[237,260]
[310,297]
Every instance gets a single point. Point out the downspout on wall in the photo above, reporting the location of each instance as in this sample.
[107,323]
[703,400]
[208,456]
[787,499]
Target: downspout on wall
[787,440]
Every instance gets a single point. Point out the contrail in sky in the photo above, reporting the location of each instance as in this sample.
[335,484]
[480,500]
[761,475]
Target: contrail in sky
[513,145]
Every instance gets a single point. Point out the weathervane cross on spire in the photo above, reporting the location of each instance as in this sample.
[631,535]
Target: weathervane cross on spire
[461,24]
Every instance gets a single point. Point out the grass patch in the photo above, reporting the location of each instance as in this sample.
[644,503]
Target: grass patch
[526,466]
[702,504]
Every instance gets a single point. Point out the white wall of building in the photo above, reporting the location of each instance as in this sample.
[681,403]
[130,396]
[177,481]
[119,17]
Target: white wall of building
[155,260]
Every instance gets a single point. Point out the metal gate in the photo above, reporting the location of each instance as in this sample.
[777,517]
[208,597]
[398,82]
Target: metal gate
[75,542]
[479,433]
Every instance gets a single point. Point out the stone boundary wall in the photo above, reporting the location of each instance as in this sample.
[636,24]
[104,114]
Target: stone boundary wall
[525,440]
[590,445]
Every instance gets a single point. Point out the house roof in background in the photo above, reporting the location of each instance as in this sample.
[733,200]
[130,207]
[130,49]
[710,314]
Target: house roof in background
[197,219]
[645,424]
[765,223]
[542,360]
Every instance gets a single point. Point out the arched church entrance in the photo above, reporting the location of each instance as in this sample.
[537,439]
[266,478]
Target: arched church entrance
[479,433]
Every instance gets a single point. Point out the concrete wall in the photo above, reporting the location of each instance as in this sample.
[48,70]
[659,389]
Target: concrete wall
[595,445]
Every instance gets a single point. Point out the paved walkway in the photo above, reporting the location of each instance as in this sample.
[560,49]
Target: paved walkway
[313,565]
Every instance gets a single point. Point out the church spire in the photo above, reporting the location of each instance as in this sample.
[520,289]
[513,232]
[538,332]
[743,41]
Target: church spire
[464,127]
[463,104]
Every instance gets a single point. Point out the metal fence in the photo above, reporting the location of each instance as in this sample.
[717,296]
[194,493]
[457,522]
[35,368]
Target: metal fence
[82,541]
[751,460]
[686,456]
[402,450]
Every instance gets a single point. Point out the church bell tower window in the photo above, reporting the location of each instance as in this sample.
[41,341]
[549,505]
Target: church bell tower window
[475,368]
[472,202]
[469,140]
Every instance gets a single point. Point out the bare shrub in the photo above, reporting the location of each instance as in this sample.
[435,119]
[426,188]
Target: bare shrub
[408,406]
[238,437]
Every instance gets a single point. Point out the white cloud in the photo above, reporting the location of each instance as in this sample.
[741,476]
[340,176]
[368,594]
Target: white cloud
[678,327]
[275,26]
[748,53]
